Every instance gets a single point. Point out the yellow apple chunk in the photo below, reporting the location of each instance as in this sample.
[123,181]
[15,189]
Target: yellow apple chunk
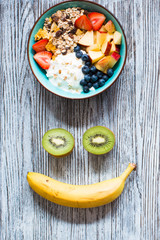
[103,64]
[117,37]
[95,56]
[87,40]
[94,47]
[110,27]
[100,38]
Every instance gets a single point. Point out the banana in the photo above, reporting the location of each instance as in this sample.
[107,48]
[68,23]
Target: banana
[79,196]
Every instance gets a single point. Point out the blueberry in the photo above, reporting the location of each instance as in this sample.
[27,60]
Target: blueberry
[77,48]
[86,89]
[99,74]
[85,57]
[93,69]
[87,77]
[110,72]
[85,69]
[79,54]
[83,82]
[101,82]
[96,85]
[89,84]
[88,63]
[105,77]
[94,78]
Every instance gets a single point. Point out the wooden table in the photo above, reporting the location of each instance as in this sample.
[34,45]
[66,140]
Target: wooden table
[130,108]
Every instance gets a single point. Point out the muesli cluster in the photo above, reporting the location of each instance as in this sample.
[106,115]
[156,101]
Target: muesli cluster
[74,39]
[61,31]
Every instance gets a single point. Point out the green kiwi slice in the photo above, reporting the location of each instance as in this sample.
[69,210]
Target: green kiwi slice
[98,140]
[58,142]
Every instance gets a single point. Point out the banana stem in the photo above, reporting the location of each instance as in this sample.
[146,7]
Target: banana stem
[127,172]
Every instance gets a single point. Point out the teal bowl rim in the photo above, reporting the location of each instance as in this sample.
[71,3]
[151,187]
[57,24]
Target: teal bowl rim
[95,92]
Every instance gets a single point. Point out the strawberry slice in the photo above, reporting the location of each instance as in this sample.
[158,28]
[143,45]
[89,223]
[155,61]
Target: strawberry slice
[83,23]
[40,45]
[43,59]
[97,19]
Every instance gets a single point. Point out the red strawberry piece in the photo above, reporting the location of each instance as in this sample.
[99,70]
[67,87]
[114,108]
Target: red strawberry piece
[43,59]
[40,45]
[83,23]
[97,19]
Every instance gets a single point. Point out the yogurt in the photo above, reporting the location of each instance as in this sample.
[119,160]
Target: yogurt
[65,72]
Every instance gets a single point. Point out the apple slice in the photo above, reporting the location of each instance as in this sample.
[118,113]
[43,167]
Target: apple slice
[100,38]
[114,48]
[103,29]
[95,56]
[106,47]
[94,47]
[103,64]
[110,27]
[107,62]
[109,37]
[87,40]
[117,37]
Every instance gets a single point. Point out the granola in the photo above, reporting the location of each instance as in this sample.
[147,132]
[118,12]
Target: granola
[61,32]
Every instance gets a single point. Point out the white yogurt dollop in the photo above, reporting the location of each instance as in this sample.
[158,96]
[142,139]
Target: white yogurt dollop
[65,72]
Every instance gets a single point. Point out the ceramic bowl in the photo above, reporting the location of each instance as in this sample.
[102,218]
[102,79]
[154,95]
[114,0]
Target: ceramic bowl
[39,73]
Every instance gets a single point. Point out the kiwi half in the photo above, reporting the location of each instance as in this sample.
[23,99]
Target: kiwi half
[98,140]
[58,142]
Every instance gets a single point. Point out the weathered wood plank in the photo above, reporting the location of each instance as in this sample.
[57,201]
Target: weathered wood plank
[130,108]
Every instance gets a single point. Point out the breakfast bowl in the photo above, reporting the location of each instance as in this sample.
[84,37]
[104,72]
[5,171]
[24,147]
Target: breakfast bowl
[40,73]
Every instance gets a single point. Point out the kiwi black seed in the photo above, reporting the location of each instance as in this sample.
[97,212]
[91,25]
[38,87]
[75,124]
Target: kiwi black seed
[58,142]
[98,140]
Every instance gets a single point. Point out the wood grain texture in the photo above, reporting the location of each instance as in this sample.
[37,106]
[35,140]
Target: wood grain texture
[131,108]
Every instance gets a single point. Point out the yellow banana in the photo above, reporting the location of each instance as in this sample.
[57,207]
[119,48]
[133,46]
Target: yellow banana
[79,196]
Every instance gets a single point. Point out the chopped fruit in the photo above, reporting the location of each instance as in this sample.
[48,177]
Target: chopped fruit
[40,45]
[103,64]
[50,47]
[54,27]
[79,32]
[83,23]
[42,33]
[100,38]
[107,62]
[116,56]
[117,37]
[103,29]
[95,56]
[94,47]
[110,27]
[87,40]
[97,19]
[109,37]
[106,47]
[53,57]
[114,48]
[43,59]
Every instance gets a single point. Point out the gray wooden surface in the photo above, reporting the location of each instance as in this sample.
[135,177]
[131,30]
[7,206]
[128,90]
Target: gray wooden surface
[131,108]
